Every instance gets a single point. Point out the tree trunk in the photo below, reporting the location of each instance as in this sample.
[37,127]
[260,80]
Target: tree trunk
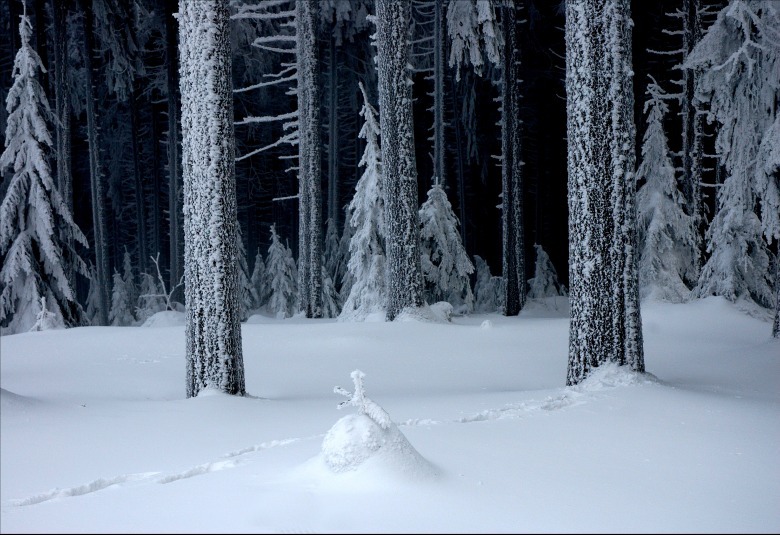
[404,275]
[333,133]
[140,211]
[692,123]
[213,329]
[62,111]
[174,159]
[438,92]
[100,228]
[605,321]
[309,160]
[511,173]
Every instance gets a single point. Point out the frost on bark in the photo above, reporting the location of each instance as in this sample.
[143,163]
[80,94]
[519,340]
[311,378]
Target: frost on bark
[174,158]
[213,329]
[605,319]
[404,279]
[514,289]
[309,160]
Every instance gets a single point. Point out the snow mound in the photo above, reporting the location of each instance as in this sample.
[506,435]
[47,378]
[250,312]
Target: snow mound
[487,324]
[369,441]
[440,312]
[356,441]
[165,318]
[611,375]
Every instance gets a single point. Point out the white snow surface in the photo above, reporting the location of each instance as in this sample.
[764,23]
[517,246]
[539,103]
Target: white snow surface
[96,434]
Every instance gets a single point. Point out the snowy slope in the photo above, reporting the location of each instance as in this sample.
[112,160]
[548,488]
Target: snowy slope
[96,435]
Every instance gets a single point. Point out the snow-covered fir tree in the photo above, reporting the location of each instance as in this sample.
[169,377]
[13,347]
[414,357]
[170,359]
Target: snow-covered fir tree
[213,329]
[474,35]
[545,280]
[282,277]
[605,318]
[333,263]
[445,263]
[665,231]
[248,297]
[259,281]
[344,278]
[121,312]
[331,301]
[399,176]
[150,297]
[487,289]
[45,320]
[740,57]
[367,264]
[93,298]
[37,231]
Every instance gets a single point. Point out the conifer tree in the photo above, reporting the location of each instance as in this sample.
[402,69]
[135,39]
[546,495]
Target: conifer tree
[740,57]
[445,264]
[367,263]
[258,280]
[487,289]
[37,231]
[545,280]
[665,231]
[121,312]
[282,277]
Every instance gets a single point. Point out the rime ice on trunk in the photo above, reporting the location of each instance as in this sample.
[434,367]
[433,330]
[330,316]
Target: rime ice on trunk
[174,158]
[310,196]
[511,173]
[213,330]
[404,279]
[605,322]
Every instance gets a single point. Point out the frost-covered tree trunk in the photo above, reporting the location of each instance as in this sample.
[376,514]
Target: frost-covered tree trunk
[776,323]
[213,329]
[511,174]
[333,131]
[97,180]
[404,278]
[692,135]
[140,208]
[309,160]
[605,323]
[626,319]
[176,257]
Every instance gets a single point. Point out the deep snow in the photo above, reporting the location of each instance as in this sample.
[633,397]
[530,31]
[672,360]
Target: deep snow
[97,436]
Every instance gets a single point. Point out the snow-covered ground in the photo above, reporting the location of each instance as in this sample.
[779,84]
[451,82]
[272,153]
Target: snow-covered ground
[96,435]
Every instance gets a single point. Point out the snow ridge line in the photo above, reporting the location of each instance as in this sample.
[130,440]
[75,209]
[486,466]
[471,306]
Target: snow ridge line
[205,468]
[608,378]
[88,488]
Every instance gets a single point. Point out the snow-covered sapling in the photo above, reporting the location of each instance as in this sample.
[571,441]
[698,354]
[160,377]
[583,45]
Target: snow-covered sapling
[364,404]
[45,320]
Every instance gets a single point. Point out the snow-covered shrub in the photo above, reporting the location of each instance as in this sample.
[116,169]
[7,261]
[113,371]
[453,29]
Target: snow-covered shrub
[46,320]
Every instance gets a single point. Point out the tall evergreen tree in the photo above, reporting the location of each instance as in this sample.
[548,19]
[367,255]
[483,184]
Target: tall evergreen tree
[605,322]
[367,260]
[404,277]
[740,55]
[213,329]
[666,232]
[37,231]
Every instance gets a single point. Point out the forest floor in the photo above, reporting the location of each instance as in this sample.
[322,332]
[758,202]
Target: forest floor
[96,434]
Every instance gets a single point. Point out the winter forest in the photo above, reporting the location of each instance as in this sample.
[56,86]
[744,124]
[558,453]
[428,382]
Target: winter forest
[590,186]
